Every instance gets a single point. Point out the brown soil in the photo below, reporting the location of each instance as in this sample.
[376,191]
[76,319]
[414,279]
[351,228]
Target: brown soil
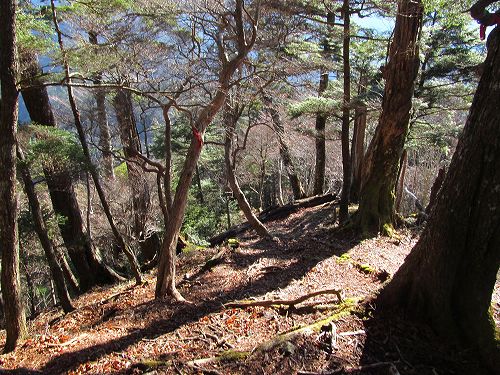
[123,330]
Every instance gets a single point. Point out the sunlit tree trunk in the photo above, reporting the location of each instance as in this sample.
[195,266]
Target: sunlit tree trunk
[449,276]
[244,39]
[15,319]
[376,207]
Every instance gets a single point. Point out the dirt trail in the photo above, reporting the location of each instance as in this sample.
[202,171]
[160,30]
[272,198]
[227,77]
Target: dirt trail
[123,330]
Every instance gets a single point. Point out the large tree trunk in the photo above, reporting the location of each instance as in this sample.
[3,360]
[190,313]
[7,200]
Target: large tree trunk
[449,276]
[165,283]
[15,320]
[86,152]
[346,113]
[136,176]
[102,122]
[230,120]
[41,230]
[376,207]
[279,129]
[85,257]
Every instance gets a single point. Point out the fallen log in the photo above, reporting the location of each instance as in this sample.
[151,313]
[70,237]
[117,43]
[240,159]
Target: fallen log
[273,213]
[293,302]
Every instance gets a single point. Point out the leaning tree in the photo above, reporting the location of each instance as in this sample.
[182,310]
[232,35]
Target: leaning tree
[449,276]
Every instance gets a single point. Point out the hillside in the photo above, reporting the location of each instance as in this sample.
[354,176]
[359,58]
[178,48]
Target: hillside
[123,330]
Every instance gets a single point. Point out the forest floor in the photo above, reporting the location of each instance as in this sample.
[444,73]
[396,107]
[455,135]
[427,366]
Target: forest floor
[124,330]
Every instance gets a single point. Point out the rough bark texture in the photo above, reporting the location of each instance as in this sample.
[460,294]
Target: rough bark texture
[102,122]
[15,320]
[41,230]
[230,123]
[449,276]
[165,283]
[376,207]
[136,176]
[279,129]
[84,256]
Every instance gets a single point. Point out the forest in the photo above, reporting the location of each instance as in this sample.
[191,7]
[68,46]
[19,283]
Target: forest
[249,187]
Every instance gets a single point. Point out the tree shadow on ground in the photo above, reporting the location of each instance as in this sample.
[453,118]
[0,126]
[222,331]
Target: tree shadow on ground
[290,247]
[414,348]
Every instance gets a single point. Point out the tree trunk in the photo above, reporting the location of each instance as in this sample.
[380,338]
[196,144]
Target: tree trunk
[286,157]
[86,152]
[346,113]
[320,124]
[230,120]
[401,180]
[41,230]
[449,276]
[358,151]
[165,283]
[102,122]
[376,207]
[141,199]
[83,254]
[15,319]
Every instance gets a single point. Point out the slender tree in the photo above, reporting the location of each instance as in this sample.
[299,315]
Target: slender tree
[15,320]
[41,230]
[346,114]
[232,113]
[376,206]
[244,35]
[449,276]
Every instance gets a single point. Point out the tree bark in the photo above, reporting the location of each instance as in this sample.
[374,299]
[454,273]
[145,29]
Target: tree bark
[358,151]
[165,283]
[141,199]
[401,180]
[346,113]
[85,257]
[15,319]
[93,172]
[449,276]
[41,230]
[376,207]
[230,120]
[286,157]
[102,122]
